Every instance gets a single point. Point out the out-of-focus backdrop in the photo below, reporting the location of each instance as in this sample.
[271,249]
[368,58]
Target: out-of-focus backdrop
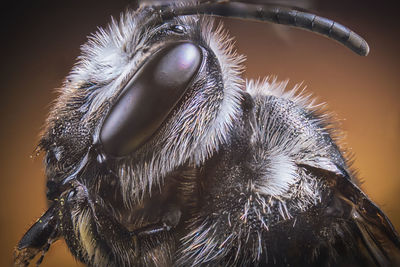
[41,39]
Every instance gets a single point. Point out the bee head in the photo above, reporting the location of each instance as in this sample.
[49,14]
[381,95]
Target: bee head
[145,97]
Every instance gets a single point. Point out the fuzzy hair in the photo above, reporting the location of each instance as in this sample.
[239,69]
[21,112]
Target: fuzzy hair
[280,190]
[322,120]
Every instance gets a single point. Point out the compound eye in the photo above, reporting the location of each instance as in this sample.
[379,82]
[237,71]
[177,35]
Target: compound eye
[149,98]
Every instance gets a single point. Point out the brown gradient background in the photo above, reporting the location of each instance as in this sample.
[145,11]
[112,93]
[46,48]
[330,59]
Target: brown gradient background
[41,40]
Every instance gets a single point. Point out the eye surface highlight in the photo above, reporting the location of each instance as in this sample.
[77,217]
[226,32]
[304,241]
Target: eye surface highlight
[178,29]
[149,97]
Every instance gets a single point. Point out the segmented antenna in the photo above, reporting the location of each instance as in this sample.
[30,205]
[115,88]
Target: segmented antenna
[275,14]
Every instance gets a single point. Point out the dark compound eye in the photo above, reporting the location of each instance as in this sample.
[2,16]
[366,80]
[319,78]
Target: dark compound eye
[149,97]
[178,29]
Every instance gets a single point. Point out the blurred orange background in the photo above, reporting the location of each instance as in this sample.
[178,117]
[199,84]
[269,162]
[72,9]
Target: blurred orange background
[41,39]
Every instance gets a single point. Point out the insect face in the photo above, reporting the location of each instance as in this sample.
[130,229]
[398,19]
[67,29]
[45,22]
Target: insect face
[158,153]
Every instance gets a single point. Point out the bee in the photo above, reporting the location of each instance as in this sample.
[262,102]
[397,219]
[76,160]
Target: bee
[159,153]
